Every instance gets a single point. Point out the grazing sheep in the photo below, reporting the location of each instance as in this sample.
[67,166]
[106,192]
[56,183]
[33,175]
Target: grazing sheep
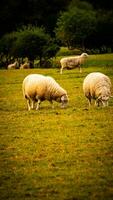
[97,86]
[14,65]
[37,88]
[73,62]
[26,65]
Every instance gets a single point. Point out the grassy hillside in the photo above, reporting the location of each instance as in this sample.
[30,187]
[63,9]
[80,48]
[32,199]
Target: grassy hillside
[52,154]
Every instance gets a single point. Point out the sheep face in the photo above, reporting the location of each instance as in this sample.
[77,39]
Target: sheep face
[104,96]
[103,100]
[64,101]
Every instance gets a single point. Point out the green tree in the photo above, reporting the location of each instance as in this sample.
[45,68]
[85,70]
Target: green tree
[102,37]
[6,44]
[31,42]
[14,14]
[75,26]
[102,4]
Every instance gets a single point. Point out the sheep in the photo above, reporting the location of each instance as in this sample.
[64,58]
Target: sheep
[26,65]
[14,65]
[73,62]
[97,86]
[37,88]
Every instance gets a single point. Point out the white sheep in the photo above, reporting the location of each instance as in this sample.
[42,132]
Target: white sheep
[14,65]
[26,65]
[37,88]
[73,62]
[97,86]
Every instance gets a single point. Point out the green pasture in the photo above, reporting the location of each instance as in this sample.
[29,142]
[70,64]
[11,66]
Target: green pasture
[56,154]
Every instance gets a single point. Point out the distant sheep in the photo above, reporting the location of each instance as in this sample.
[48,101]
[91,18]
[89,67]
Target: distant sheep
[73,62]
[37,88]
[14,65]
[97,86]
[26,65]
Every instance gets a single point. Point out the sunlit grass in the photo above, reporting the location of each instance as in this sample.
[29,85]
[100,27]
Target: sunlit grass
[52,154]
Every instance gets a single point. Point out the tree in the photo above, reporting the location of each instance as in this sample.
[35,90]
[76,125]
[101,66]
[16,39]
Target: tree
[75,26]
[101,4]
[31,42]
[14,14]
[6,44]
[102,37]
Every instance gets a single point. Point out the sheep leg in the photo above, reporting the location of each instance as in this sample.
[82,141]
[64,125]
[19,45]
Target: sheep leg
[38,104]
[61,70]
[98,102]
[51,102]
[32,104]
[28,104]
[80,69]
[89,101]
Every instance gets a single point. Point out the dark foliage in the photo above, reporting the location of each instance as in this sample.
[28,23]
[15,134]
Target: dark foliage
[31,42]
[46,13]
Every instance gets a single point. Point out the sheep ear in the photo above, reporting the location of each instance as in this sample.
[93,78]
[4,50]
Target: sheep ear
[62,98]
[111,96]
[99,97]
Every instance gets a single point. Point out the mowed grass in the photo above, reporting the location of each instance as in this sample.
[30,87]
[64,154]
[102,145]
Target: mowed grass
[55,154]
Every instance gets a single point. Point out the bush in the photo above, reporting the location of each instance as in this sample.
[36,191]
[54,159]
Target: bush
[75,26]
[64,51]
[30,42]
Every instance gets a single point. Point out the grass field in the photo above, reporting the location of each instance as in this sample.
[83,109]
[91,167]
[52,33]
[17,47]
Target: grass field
[56,154]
